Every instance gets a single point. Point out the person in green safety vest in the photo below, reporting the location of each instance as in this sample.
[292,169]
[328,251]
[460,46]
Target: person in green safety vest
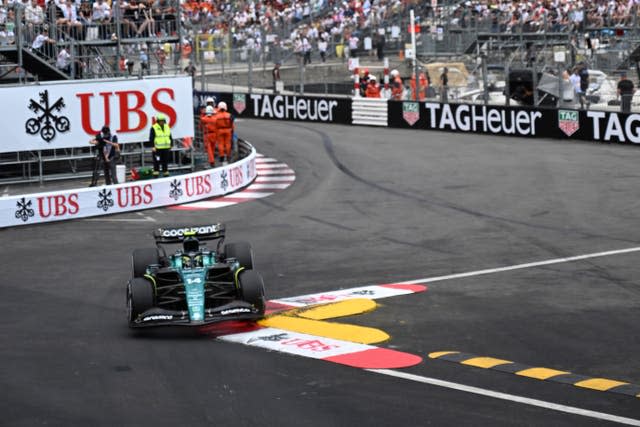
[160,137]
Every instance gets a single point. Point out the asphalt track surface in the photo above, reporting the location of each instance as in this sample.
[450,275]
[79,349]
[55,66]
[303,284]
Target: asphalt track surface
[368,206]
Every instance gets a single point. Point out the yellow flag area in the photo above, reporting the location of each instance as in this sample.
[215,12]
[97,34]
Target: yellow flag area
[338,309]
[304,321]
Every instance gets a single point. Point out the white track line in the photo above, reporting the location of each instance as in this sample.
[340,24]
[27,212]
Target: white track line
[509,397]
[520,266]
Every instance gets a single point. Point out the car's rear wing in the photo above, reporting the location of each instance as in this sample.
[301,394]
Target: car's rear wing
[177,234]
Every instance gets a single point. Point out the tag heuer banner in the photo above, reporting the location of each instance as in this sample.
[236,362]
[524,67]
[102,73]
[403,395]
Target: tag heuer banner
[283,107]
[69,114]
[568,121]
[519,121]
[411,112]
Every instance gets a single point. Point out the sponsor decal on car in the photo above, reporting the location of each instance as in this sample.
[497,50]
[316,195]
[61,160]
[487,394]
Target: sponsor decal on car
[157,317]
[179,232]
[235,311]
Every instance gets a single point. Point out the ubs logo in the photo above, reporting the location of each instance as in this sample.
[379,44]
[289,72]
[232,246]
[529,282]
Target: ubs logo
[46,122]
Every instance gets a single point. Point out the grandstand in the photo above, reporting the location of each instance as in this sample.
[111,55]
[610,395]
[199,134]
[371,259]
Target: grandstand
[237,42]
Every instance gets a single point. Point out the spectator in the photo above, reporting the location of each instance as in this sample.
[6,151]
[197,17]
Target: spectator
[306,51]
[191,70]
[276,77]
[63,61]
[322,48]
[33,17]
[70,18]
[43,45]
[575,82]
[625,90]
[144,60]
[444,85]
[101,15]
[353,46]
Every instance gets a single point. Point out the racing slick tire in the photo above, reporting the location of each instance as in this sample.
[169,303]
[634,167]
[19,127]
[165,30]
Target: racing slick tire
[242,252]
[140,297]
[252,288]
[142,258]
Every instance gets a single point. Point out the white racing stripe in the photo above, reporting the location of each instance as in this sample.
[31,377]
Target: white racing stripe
[370,292]
[270,186]
[295,343]
[521,266]
[210,204]
[286,171]
[248,195]
[509,397]
[290,178]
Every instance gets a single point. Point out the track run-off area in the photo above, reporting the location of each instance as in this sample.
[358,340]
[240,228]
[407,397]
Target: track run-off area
[519,258]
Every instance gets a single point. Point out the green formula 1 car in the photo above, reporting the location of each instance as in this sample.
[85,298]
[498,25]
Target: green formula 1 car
[194,285]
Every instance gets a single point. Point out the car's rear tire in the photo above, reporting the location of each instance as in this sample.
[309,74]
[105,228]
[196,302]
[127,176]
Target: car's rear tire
[140,297]
[142,258]
[242,252]
[252,289]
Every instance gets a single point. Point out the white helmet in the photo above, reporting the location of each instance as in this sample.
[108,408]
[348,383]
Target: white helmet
[222,105]
[209,110]
[210,100]
[394,73]
[372,78]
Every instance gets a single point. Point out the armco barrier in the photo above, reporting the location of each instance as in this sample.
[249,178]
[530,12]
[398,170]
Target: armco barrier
[94,201]
[585,125]
[369,111]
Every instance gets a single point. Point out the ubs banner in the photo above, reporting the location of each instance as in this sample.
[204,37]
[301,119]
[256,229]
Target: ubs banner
[284,107]
[69,114]
[584,125]
[110,199]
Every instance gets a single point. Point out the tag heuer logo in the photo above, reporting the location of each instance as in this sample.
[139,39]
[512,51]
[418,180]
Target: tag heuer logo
[411,112]
[568,121]
[239,103]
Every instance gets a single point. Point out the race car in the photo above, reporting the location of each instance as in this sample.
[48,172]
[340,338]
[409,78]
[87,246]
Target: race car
[194,285]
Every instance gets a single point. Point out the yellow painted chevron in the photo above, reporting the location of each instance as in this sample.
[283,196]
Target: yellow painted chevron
[353,333]
[344,308]
[540,373]
[485,362]
[437,354]
[601,384]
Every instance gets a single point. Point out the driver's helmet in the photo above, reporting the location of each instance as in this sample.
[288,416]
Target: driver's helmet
[190,244]
[198,261]
[186,261]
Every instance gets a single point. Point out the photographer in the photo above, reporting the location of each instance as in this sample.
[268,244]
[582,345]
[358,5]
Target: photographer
[107,154]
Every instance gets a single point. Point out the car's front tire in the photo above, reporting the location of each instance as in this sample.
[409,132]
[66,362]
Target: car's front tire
[252,289]
[142,258]
[242,252]
[140,297]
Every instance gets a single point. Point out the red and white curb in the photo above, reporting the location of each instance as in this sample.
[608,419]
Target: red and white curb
[328,349]
[272,176]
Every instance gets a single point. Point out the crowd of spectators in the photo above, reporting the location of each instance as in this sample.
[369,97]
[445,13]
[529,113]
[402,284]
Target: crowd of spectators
[86,20]
[303,27]
[508,16]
